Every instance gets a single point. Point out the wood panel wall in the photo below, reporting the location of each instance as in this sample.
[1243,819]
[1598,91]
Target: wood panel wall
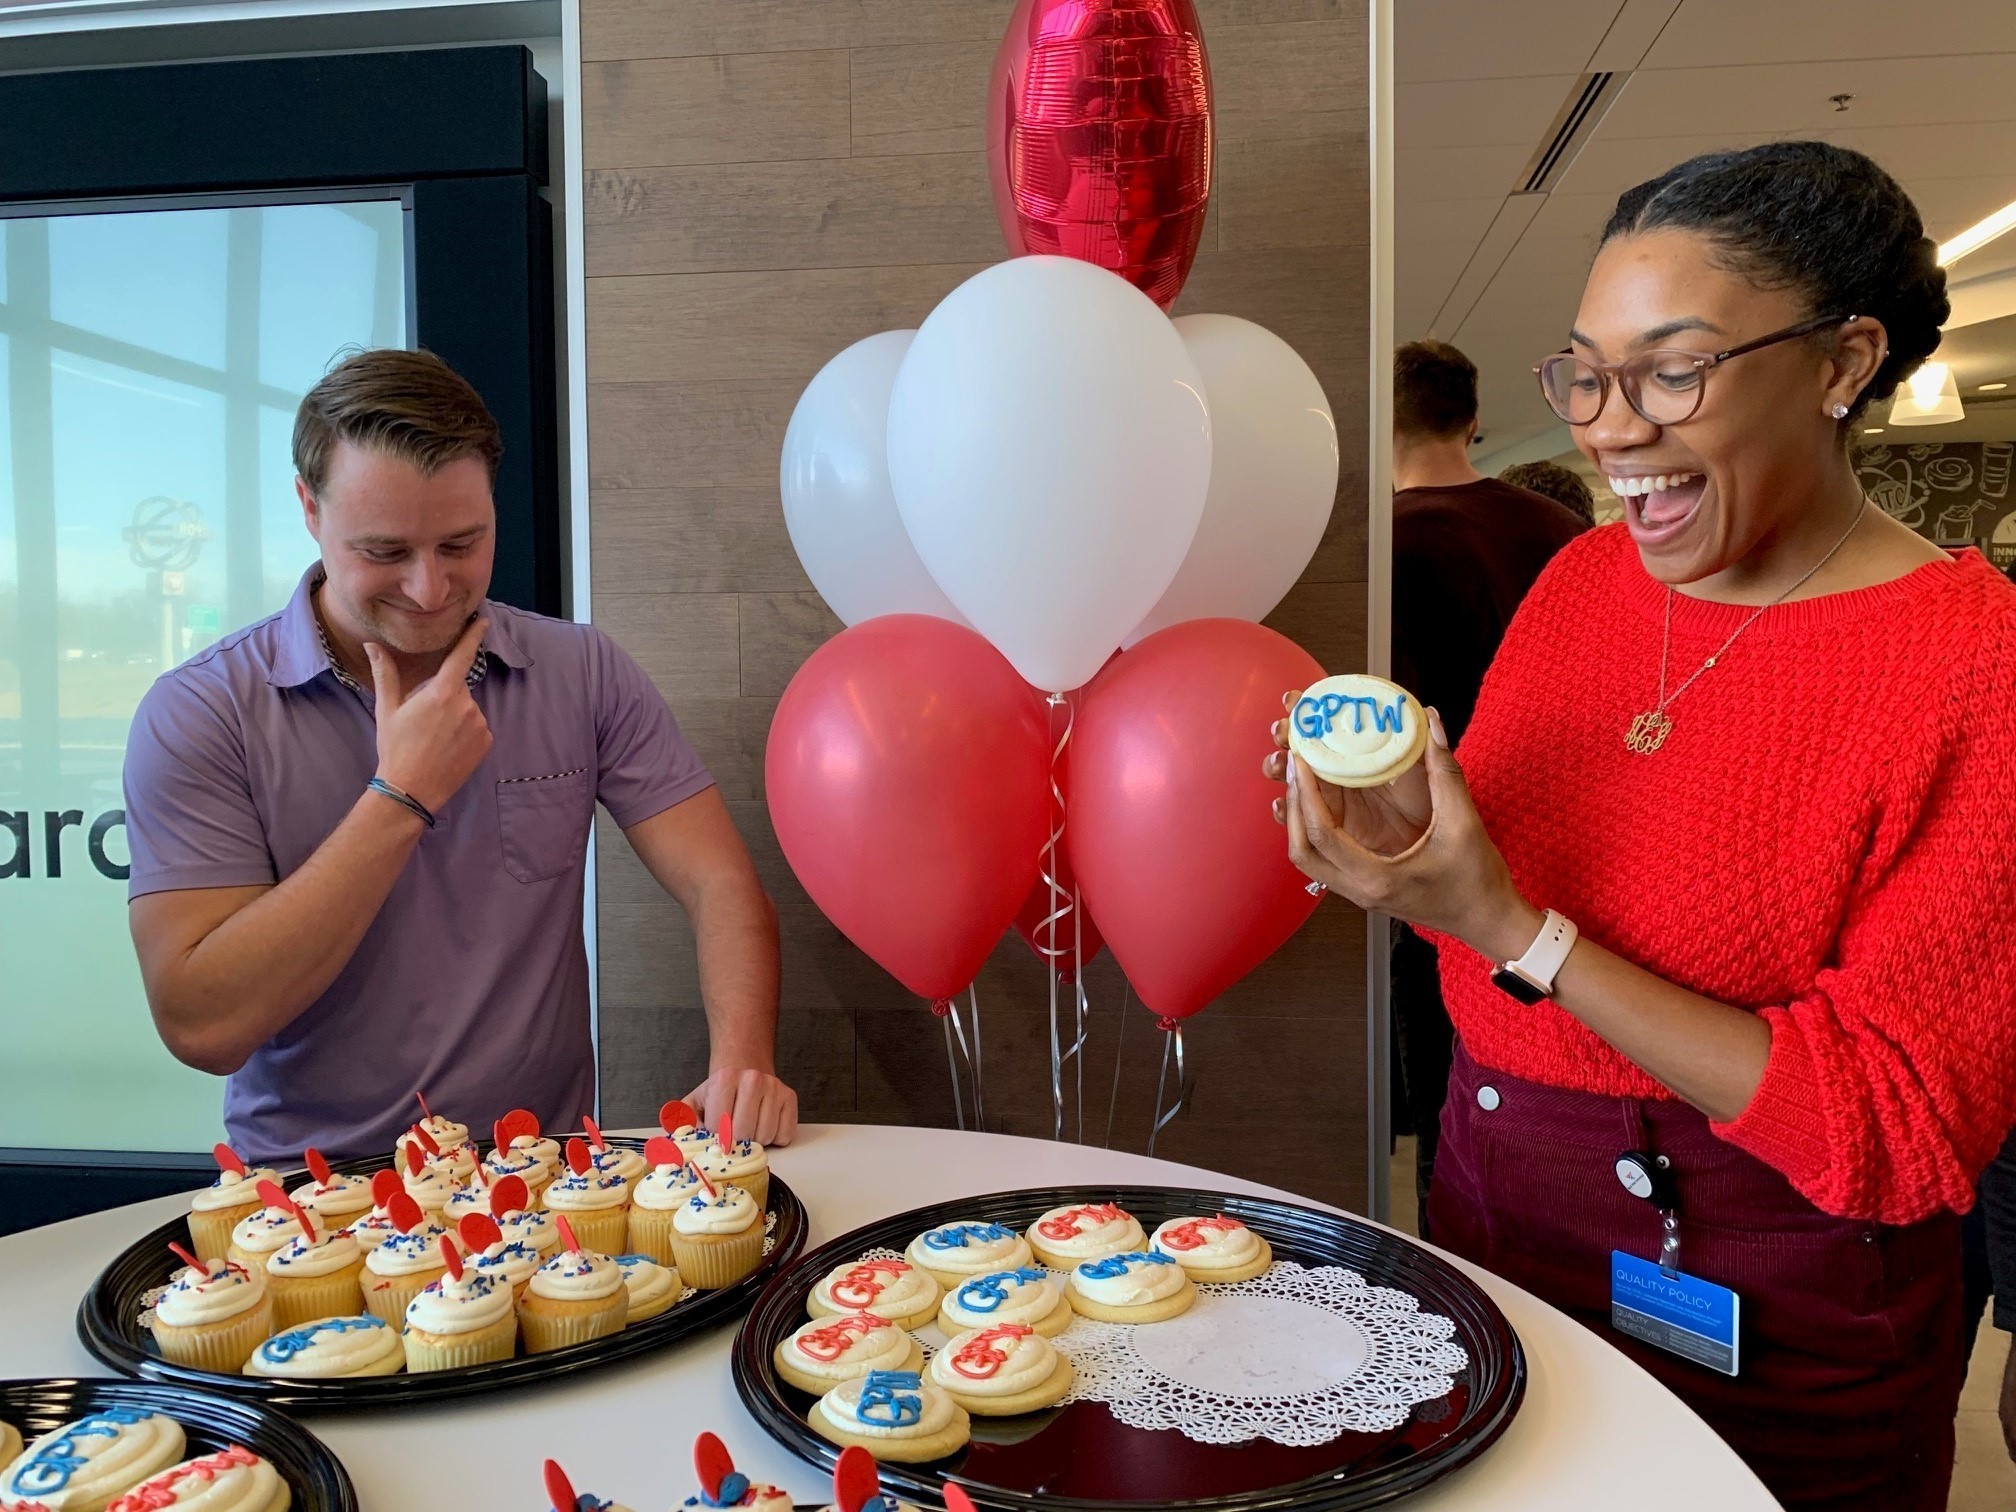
[768,181]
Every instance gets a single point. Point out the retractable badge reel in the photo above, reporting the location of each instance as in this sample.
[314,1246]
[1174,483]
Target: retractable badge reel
[1660,1304]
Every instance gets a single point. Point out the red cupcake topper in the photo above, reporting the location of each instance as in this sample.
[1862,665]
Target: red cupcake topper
[479,1231]
[451,1257]
[578,1158]
[567,1233]
[407,1215]
[724,1134]
[712,1463]
[508,1195]
[516,1125]
[227,1160]
[425,1140]
[661,1151]
[384,1187]
[677,1115]
[982,1356]
[426,1112]
[414,1158]
[273,1197]
[595,1140]
[318,1167]
[558,1489]
[956,1500]
[855,1481]
[187,1259]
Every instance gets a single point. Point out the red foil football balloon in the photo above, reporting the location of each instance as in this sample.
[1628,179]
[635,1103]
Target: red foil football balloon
[1099,136]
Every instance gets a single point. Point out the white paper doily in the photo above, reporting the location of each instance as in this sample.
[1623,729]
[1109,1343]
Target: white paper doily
[1297,1356]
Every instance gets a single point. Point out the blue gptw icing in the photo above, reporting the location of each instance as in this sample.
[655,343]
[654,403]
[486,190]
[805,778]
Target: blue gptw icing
[1113,1267]
[896,1393]
[281,1348]
[49,1469]
[1315,717]
[959,1235]
[987,1293]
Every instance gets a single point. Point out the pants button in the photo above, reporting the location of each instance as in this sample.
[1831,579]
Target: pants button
[1488,1099]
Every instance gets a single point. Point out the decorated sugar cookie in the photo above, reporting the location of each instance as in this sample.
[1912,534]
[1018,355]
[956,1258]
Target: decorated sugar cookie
[828,1350]
[1142,1287]
[1029,1294]
[952,1252]
[1001,1371]
[896,1415]
[90,1461]
[892,1289]
[1215,1249]
[1064,1236]
[231,1480]
[1356,730]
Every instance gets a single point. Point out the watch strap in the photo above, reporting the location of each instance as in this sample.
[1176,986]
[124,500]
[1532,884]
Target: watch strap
[1544,957]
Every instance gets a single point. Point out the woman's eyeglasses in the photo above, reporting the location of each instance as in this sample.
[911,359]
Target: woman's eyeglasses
[1663,386]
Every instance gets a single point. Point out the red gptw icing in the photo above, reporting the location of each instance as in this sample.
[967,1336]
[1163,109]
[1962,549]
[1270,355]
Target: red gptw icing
[831,1340]
[863,1284]
[160,1492]
[1070,1223]
[1189,1236]
[981,1356]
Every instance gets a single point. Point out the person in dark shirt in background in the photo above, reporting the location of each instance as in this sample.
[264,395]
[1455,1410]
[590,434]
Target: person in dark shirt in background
[1465,550]
[1555,482]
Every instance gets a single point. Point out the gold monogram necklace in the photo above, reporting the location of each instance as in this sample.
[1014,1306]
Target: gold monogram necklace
[1649,730]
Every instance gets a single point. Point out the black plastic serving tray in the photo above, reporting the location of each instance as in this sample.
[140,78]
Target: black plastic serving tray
[108,1323]
[315,1476]
[1080,1458]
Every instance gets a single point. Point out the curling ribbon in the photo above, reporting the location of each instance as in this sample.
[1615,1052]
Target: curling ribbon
[1047,872]
[1174,1043]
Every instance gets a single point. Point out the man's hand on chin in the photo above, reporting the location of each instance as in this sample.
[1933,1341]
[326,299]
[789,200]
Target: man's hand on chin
[762,1107]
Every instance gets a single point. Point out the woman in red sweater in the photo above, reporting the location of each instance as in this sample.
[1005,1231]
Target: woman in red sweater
[1759,744]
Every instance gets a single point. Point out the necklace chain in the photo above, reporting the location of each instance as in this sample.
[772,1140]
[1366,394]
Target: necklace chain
[1649,730]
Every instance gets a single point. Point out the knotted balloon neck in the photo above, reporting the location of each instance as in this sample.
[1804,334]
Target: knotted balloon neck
[941,1007]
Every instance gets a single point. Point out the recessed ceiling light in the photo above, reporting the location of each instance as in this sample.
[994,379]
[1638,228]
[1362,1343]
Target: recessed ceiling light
[1978,235]
[1874,430]
[1989,388]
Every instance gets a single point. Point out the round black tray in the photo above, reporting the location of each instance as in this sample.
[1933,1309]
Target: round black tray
[1080,1457]
[108,1322]
[212,1423]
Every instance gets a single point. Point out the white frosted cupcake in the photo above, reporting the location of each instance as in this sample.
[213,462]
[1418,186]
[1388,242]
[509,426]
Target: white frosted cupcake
[892,1289]
[428,1183]
[1030,1295]
[654,1288]
[736,1162]
[231,1480]
[316,1274]
[228,1201]
[83,1465]
[213,1316]
[258,1237]
[681,1123]
[1133,1288]
[1064,1236]
[717,1237]
[1001,1371]
[895,1415]
[405,1265]
[334,1201]
[519,1142]
[826,1351]
[1213,1250]
[511,1262]
[576,1296]
[953,1252]
[722,1485]
[328,1348]
[465,1318]
[457,1158]
[376,1226]
[668,1185]
[562,1497]
[613,1160]
[596,1203]
[446,1133]
[857,1487]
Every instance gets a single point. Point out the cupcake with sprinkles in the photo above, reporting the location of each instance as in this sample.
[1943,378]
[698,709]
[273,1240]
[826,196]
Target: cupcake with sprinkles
[562,1496]
[427,1182]
[512,1262]
[955,1252]
[335,1201]
[331,1349]
[213,1315]
[1135,1288]
[857,1486]
[614,1160]
[231,1480]
[1064,1236]
[1001,1371]
[258,1237]
[717,1237]
[465,1318]
[83,1465]
[896,1415]
[224,1204]
[576,1296]
[736,1162]
[405,1265]
[520,1221]
[654,1288]
[596,1203]
[669,1184]
[681,1123]
[521,1150]
[316,1274]
[1214,1250]
[376,1226]
[722,1485]
[1030,1295]
[892,1289]
[444,1134]
[826,1351]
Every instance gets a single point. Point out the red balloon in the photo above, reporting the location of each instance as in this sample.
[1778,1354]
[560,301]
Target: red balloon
[1171,824]
[908,773]
[1099,136]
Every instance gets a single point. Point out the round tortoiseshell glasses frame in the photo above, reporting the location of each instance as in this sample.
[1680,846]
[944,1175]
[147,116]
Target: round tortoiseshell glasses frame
[1577,389]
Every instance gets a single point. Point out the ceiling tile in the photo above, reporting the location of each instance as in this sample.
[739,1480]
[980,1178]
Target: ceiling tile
[1490,39]
[1463,220]
[1458,172]
[1710,32]
[1787,99]
[1474,112]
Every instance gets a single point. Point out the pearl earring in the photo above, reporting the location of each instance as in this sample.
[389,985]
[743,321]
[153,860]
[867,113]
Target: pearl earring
[1839,412]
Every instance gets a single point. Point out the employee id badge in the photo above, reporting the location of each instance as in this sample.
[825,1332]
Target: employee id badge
[1674,1311]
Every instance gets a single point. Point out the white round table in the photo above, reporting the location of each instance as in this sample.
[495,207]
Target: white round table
[1595,1431]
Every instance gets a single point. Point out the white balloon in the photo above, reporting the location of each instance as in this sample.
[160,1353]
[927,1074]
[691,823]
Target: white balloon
[835,482]
[1050,449]
[1273,476]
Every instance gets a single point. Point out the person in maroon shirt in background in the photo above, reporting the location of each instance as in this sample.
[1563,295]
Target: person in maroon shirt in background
[1465,550]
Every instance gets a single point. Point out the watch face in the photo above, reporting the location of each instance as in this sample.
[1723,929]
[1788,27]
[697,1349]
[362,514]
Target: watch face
[1513,985]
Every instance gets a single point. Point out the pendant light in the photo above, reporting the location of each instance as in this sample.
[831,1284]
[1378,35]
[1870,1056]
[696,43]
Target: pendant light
[1928,397]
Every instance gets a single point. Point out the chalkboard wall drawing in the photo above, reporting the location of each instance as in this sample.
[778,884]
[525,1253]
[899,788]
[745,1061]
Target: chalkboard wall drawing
[1955,493]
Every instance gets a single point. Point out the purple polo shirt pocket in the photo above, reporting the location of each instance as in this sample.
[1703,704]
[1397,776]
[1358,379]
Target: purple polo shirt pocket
[542,823]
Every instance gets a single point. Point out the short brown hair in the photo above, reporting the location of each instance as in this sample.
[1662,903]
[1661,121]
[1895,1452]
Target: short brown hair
[409,405]
[1434,389]
[1553,481]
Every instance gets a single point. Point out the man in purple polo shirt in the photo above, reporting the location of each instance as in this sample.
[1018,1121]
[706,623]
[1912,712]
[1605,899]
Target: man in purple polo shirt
[359,828]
